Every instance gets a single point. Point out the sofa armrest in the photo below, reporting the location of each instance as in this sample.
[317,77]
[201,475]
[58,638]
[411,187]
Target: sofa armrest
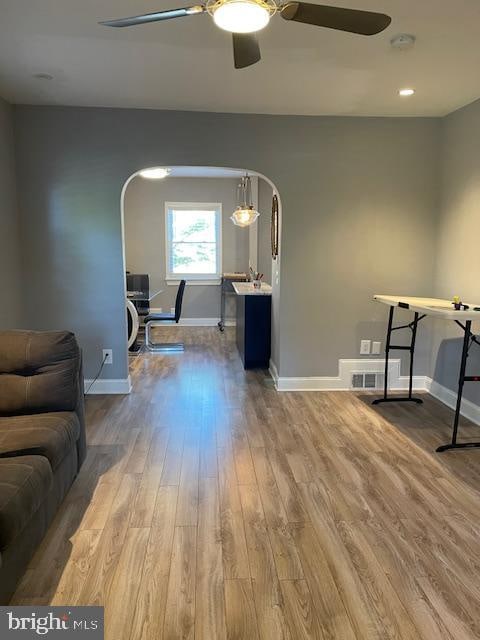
[80,411]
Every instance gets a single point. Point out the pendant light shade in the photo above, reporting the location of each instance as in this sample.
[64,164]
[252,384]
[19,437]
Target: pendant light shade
[245,214]
[244,217]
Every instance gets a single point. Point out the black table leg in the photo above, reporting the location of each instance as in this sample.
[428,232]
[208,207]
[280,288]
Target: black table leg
[412,353]
[388,347]
[461,382]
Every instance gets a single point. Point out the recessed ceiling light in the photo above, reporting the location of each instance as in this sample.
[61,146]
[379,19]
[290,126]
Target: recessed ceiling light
[42,76]
[406,92]
[155,173]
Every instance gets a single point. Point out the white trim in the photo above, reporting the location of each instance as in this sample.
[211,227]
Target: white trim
[272,369]
[215,207]
[397,382]
[469,409]
[419,383]
[215,281]
[342,382]
[103,386]
[193,322]
[276,264]
[253,228]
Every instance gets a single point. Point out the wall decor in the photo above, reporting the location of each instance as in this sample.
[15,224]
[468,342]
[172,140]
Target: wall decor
[274,227]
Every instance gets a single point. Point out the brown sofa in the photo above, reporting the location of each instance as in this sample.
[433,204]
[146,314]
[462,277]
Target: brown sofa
[42,440]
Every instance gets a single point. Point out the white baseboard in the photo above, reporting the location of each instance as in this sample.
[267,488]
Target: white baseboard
[103,386]
[342,382]
[195,322]
[419,383]
[447,396]
[272,369]
[397,382]
[205,322]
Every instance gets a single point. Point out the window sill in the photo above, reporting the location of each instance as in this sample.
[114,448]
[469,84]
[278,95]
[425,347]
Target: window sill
[210,282]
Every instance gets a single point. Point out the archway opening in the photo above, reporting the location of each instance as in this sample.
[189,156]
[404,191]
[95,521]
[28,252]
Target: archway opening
[147,245]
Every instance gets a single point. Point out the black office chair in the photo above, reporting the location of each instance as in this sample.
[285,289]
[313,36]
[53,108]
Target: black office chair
[165,317]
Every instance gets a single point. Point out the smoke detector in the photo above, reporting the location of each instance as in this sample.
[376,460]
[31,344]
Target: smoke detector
[42,76]
[403,42]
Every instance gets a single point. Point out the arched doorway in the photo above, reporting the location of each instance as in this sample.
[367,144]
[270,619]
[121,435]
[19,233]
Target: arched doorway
[265,211]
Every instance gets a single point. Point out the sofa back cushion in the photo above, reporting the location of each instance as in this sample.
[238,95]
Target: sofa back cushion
[39,371]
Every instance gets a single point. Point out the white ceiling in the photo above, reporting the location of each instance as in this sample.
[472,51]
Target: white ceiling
[187,63]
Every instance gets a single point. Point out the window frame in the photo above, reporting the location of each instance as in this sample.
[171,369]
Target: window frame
[194,278]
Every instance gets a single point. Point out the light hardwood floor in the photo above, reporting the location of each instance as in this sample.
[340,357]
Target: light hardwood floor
[211,507]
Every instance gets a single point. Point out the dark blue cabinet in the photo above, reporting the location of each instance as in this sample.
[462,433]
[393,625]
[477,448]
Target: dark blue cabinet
[254,321]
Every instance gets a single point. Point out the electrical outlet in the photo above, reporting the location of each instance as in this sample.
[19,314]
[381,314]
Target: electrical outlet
[376,348]
[107,356]
[365,347]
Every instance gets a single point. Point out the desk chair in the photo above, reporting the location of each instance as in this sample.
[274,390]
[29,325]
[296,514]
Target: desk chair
[165,317]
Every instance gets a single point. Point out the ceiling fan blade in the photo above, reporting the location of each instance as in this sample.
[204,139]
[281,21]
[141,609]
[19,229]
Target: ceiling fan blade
[246,50]
[366,23]
[155,17]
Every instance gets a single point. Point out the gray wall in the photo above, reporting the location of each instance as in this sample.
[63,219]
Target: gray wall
[10,276]
[265,193]
[457,269]
[358,221]
[358,198]
[144,219]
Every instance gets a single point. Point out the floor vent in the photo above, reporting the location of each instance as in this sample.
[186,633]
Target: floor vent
[367,380]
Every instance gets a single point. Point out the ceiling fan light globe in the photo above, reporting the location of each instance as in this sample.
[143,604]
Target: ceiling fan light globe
[241,16]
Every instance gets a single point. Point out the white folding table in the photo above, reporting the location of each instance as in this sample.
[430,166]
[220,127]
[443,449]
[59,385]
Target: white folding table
[444,310]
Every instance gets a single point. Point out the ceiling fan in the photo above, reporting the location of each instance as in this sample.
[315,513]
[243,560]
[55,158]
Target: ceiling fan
[244,17]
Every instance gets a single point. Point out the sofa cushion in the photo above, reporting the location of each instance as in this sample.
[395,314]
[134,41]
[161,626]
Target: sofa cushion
[24,484]
[51,435]
[39,371]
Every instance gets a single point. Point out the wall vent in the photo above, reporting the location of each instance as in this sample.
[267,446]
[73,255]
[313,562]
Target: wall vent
[358,380]
[370,380]
[367,380]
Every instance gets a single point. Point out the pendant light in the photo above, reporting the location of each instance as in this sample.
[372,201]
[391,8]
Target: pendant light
[245,214]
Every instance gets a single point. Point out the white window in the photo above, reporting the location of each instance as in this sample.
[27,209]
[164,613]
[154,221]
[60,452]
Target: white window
[193,241]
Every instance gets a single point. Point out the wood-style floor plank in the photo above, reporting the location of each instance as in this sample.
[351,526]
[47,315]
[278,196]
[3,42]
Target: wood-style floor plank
[122,596]
[210,583]
[241,618]
[235,557]
[211,507]
[180,607]
[152,594]
[265,582]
